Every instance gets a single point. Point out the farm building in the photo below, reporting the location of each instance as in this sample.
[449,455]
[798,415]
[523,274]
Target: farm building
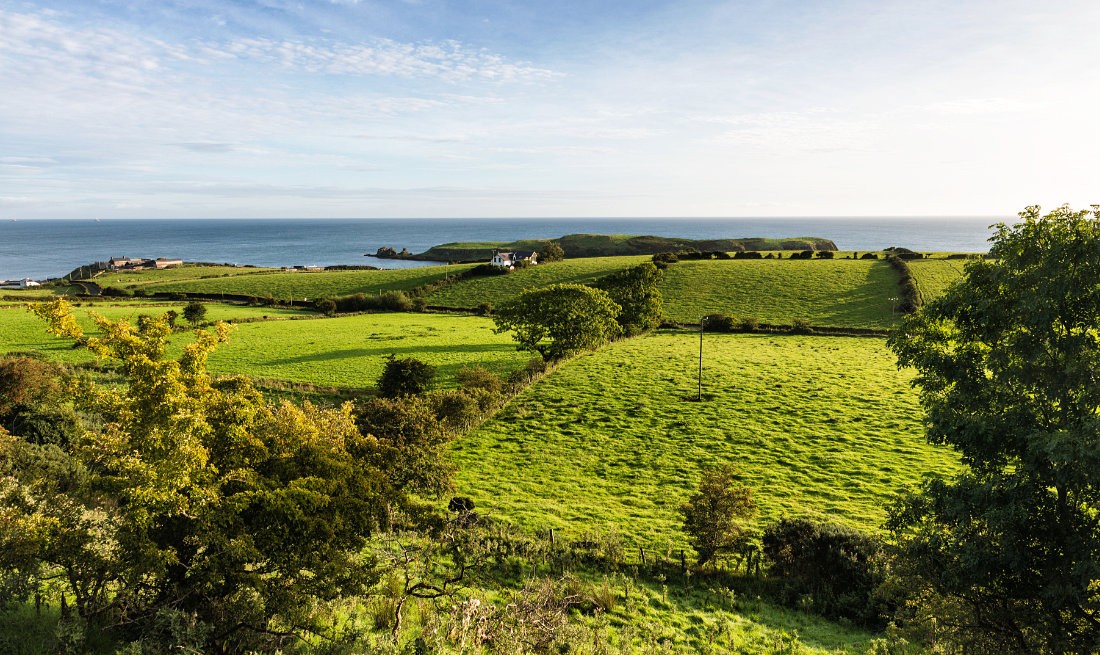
[510,258]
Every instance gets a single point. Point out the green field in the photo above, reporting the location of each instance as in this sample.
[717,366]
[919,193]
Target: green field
[499,288]
[933,276]
[349,352]
[185,273]
[817,425]
[827,292]
[22,331]
[346,352]
[300,285]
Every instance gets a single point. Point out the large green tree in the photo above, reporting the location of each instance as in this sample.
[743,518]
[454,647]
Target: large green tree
[1007,364]
[637,291]
[560,319]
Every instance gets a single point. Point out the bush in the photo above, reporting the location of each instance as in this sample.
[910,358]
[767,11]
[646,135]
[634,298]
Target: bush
[486,270]
[835,569]
[718,323]
[405,377]
[825,254]
[479,377]
[713,516]
[394,301]
[748,254]
[869,255]
[194,312]
[750,323]
[484,309]
[326,306]
[663,259]
[801,326]
[551,252]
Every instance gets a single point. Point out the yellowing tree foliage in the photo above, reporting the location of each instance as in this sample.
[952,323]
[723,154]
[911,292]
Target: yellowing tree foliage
[190,497]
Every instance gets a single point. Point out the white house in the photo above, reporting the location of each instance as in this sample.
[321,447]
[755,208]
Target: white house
[25,283]
[509,259]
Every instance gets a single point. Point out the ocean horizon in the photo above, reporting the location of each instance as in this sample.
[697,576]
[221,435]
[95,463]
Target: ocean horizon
[49,248]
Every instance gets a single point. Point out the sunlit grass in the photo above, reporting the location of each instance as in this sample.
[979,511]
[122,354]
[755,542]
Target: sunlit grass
[817,425]
[499,288]
[826,292]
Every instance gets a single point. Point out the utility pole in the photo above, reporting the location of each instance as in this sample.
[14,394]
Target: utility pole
[702,319]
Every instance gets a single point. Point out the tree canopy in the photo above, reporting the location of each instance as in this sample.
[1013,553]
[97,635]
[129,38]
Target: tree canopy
[1007,365]
[637,291]
[190,501]
[559,319]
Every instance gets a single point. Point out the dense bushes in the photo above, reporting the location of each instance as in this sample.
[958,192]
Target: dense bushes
[909,297]
[393,301]
[832,570]
[406,376]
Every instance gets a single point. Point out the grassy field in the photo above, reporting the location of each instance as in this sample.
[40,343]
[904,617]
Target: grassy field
[349,351]
[346,352]
[827,292]
[288,286]
[499,288]
[933,276]
[185,273]
[817,425]
[21,331]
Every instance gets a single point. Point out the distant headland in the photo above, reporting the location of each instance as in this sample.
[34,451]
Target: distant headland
[601,245]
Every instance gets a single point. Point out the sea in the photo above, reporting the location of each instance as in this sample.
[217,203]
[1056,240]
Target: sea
[43,249]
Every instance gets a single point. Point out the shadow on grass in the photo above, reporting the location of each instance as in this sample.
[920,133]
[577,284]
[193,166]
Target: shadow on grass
[383,351]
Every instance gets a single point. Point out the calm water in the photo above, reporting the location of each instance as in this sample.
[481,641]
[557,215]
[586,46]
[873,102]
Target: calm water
[51,248]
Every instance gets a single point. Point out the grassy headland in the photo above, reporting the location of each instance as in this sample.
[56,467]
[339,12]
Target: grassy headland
[605,245]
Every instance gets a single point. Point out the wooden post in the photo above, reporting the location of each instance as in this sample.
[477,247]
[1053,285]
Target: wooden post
[683,561]
[553,539]
[642,552]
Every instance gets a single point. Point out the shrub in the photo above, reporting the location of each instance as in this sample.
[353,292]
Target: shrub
[405,377]
[551,252]
[869,255]
[395,301]
[838,569]
[478,377]
[825,254]
[718,323]
[484,308]
[802,254]
[801,326]
[486,270]
[326,306]
[713,516]
[749,254]
[194,312]
[750,323]
[663,259]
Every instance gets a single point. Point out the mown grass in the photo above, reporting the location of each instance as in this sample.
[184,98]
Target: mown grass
[301,285]
[817,425]
[185,273]
[346,352]
[499,288]
[22,331]
[826,292]
[350,351]
[933,276]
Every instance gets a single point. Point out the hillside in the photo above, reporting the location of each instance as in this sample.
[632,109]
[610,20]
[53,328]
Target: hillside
[824,426]
[603,245]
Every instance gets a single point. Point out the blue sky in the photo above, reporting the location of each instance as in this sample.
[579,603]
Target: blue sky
[354,108]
